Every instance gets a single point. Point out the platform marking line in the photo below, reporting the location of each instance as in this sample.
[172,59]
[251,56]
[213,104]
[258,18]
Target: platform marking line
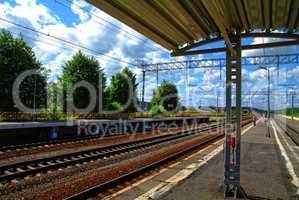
[288,145]
[162,188]
[165,169]
[151,176]
[289,164]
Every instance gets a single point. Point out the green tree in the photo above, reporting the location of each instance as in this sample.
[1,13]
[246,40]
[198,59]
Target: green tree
[165,97]
[17,57]
[82,68]
[119,91]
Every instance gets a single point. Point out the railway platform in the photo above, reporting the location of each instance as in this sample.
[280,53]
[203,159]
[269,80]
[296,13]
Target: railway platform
[11,132]
[46,124]
[269,170]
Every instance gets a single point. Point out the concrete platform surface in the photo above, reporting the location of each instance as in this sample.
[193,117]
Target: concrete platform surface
[263,171]
[269,170]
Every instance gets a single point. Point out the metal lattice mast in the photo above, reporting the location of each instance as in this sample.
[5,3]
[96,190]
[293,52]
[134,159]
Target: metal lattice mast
[221,62]
[232,148]
[143,90]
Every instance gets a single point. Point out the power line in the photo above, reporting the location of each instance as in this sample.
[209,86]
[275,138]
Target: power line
[68,48]
[51,44]
[65,41]
[101,18]
[115,28]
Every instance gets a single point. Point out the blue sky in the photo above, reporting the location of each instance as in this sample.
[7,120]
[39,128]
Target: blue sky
[81,23]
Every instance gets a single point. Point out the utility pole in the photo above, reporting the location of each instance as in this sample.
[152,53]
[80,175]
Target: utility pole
[34,94]
[200,102]
[250,102]
[100,95]
[143,88]
[292,92]
[268,134]
[217,101]
[292,106]
[157,75]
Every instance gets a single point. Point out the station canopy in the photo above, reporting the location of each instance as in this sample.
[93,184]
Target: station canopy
[181,25]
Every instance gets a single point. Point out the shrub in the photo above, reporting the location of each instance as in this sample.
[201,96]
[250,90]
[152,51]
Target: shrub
[157,109]
[115,106]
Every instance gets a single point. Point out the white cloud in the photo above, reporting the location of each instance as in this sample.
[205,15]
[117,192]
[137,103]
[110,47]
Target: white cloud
[269,51]
[37,14]
[294,73]
[96,30]
[77,9]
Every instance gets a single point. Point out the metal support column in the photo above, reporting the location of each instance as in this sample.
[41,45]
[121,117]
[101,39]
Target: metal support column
[143,88]
[34,99]
[100,102]
[277,68]
[292,105]
[187,93]
[232,152]
[269,109]
[217,101]
[157,75]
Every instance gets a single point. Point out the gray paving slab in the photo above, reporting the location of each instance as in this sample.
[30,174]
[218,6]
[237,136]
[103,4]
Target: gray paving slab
[262,172]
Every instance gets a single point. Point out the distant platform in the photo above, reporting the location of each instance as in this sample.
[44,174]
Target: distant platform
[289,117]
[71,123]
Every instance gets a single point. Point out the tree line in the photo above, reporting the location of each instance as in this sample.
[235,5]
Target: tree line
[16,57]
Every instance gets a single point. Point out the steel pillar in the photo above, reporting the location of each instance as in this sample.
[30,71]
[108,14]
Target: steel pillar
[232,152]
[157,75]
[217,101]
[143,88]
[292,106]
[269,108]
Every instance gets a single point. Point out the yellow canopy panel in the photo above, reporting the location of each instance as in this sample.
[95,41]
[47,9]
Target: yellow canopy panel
[173,23]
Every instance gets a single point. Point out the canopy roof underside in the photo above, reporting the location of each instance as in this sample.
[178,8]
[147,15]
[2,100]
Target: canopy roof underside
[174,23]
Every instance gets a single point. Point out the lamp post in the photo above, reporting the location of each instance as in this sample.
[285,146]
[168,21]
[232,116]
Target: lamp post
[268,113]
[34,99]
[217,102]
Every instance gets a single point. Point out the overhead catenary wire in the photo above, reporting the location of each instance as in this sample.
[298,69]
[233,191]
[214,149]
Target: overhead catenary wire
[101,18]
[69,48]
[66,41]
[113,27]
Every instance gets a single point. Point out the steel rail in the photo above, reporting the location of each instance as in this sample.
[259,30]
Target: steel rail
[289,130]
[31,167]
[93,191]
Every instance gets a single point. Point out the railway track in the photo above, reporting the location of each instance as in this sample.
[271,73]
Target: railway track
[105,186]
[32,167]
[289,130]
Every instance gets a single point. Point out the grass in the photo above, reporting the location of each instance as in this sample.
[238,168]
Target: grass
[288,112]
